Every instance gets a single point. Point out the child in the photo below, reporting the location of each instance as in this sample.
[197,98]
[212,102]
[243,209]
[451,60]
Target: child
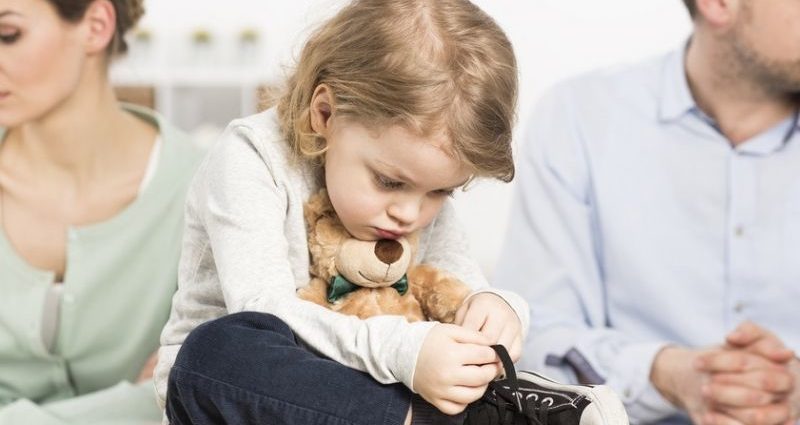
[394,105]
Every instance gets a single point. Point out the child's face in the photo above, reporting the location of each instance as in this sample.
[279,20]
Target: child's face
[389,183]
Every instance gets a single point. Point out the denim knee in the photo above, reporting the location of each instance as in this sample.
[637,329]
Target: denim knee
[221,340]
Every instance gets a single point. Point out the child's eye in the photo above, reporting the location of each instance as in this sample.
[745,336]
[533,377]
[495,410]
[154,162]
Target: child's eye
[9,37]
[445,192]
[386,183]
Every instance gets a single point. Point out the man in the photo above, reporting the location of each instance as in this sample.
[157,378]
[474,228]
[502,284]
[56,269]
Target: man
[656,226]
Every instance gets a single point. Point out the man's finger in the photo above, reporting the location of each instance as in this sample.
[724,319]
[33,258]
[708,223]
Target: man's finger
[718,418]
[772,348]
[733,361]
[736,396]
[759,340]
[773,381]
[745,334]
[777,413]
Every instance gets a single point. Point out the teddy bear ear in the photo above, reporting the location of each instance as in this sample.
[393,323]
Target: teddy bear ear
[318,205]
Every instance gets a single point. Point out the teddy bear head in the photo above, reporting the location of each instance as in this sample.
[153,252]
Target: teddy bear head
[334,252]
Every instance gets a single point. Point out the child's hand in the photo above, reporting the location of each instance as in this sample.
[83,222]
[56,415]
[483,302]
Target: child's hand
[454,367]
[492,316]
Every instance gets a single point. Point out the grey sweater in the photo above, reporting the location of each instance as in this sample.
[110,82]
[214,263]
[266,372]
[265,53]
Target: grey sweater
[245,249]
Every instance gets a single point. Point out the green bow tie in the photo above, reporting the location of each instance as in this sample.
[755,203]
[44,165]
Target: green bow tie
[340,287]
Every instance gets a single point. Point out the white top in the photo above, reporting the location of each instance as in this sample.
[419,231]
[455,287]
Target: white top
[152,164]
[245,248]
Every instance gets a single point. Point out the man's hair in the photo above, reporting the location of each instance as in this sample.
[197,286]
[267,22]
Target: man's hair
[692,6]
[426,65]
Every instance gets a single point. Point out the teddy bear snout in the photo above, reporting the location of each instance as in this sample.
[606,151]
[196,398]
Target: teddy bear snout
[388,250]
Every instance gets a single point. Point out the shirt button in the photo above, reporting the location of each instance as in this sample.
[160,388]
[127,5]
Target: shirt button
[739,307]
[627,393]
[71,235]
[69,298]
[739,231]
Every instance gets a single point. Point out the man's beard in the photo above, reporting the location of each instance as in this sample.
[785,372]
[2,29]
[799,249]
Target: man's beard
[776,77]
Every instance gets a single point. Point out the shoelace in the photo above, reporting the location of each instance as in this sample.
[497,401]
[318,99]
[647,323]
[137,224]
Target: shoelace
[528,408]
[508,389]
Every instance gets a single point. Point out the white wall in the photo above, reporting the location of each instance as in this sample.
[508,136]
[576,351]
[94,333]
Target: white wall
[553,39]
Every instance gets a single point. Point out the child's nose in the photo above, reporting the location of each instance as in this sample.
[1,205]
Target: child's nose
[405,212]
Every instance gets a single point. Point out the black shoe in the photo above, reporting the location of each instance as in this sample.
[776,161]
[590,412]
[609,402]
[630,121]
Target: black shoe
[531,399]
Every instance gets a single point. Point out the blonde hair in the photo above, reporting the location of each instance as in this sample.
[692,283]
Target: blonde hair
[427,65]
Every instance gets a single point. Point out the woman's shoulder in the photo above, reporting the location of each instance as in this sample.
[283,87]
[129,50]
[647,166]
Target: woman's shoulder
[175,142]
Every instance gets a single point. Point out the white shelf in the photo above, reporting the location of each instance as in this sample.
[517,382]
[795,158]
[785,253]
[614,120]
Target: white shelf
[196,97]
[186,76]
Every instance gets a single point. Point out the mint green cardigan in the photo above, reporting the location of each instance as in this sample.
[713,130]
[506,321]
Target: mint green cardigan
[120,277]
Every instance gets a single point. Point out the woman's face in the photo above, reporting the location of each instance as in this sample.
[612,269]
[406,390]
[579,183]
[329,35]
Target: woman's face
[42,58]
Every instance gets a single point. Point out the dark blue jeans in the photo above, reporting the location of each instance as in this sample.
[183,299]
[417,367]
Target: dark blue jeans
[247,368]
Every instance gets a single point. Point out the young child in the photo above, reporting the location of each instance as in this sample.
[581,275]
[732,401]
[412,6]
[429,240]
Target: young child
[394,105]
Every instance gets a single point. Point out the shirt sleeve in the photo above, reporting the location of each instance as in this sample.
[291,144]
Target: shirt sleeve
[553,258]
[244,213]
[124,403]
[447,248]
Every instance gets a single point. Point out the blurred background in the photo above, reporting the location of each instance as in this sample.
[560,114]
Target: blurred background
[204,62]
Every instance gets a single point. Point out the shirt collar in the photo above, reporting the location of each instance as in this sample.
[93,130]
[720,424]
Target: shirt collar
[772,140]
[676,98]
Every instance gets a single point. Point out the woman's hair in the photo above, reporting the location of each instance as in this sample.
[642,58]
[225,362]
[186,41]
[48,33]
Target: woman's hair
[427,65]
[128,14]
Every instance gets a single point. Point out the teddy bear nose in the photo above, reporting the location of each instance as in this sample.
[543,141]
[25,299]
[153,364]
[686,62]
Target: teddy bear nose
[388,250]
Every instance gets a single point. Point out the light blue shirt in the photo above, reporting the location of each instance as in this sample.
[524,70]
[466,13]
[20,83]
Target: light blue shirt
[636,224]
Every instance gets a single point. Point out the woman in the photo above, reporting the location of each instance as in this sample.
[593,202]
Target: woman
[91,206]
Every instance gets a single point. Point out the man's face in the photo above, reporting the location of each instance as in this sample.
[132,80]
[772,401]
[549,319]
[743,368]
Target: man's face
[765,42]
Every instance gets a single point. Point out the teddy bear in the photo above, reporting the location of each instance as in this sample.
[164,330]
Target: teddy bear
[369,278]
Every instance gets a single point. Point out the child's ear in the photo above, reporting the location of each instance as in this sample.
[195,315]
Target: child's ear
[100,22]
[321,109]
